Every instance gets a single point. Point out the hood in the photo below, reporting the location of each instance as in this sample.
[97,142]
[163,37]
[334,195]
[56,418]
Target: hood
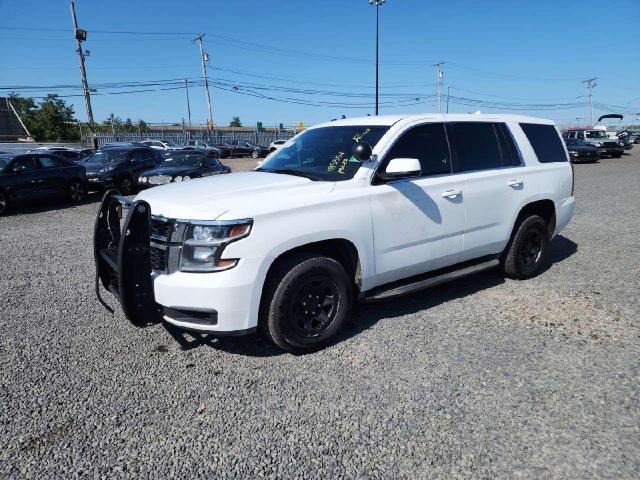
[93,167]
[235,195]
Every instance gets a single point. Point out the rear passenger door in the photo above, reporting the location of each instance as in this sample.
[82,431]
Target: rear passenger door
[418,222]
[485,155]
[25,181]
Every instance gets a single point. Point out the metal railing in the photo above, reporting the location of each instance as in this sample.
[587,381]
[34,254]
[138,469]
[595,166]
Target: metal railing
[216,136]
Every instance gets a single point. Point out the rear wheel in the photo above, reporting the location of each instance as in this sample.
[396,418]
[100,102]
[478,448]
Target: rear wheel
[76,191]
[4,203]
[305,302]
[255,154]
[528,248]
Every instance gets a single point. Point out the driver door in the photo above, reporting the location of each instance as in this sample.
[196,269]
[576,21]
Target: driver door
[418,222]
[26,178]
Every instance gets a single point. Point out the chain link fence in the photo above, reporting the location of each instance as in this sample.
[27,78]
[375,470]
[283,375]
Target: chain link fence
[181,137]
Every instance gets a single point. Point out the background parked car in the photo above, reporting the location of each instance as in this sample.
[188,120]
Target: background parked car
[119,166]
[39,176]
[74,154]
[598,138]
[222,151]
[276,145]
[161,144]
[579,151]
[183,165]
[242,148]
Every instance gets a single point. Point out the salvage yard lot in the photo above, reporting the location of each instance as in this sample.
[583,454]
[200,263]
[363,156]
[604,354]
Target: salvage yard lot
[481,378]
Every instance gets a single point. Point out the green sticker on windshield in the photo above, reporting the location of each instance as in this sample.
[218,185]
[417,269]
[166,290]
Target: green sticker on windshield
[359,136]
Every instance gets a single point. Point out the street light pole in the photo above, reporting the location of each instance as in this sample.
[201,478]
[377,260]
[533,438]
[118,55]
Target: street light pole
[377,3]
[439,79]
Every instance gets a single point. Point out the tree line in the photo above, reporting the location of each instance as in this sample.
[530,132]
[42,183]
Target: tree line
[53,120]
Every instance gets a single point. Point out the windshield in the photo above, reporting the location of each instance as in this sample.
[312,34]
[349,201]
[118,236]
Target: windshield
[182,161]
[324,153]
[106,156]
[596,134]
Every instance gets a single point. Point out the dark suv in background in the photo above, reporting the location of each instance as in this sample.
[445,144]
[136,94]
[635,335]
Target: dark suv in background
[242,148]
[119,165]
[39,176]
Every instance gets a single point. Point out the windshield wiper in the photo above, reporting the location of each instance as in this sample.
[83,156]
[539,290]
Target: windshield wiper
[291,171]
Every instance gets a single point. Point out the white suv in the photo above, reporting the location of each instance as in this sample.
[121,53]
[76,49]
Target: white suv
[276,144]
[358,209]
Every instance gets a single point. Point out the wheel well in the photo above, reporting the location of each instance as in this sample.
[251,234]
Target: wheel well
[341,250]
[544,208]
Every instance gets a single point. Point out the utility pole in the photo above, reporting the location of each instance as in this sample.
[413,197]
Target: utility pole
[81,35]
[439,90]
[590,83]
[186,89]
[377,3]
[205,57]
[448,95]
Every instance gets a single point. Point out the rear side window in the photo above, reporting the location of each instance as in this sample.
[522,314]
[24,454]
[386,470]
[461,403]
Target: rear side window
[427,143]
[508,150]
[50,162]
[545,142]
[475,146]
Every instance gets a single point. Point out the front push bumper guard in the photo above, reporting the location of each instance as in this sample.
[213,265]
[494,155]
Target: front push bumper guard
[122,257]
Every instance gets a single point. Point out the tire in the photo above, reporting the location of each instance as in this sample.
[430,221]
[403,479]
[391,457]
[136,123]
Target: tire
[288,291]
[126,185]
[4,203]
[617,155]
[527,249]
[255,154]
[76,191]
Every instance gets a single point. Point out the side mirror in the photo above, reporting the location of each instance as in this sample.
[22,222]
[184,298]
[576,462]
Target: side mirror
[400,168]
[362,151]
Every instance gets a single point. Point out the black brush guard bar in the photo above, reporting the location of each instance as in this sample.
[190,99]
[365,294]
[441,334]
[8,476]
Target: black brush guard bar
[122,257]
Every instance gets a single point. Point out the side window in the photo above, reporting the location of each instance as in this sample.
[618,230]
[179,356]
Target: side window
[581,135]
[475,146]
[427,143]
[50,162]
[24,164]
[508,150]
[545,142]
[572,134]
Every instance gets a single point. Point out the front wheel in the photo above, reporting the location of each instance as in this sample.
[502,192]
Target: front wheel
[76,191]
[255,154]
[126,185]
[527,250]
[305,302]
[617,155]
[4,203]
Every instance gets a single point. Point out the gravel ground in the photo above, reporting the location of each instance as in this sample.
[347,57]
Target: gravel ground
[480,378]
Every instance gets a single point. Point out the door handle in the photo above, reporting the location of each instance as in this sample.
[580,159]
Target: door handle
[451,193]
[515,183]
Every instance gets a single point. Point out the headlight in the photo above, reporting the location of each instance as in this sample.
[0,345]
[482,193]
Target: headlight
[573,152]
[186,177]
[204,243]
[177,179]
[143,179]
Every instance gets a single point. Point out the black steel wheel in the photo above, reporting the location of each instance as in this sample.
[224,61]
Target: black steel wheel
[305,302]
[76,191]
[527,250]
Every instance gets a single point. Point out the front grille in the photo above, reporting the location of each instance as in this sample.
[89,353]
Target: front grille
[611,145]
[161,232]
[158,258]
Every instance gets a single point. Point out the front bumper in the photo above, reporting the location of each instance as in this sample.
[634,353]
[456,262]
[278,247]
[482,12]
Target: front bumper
[100,181]
[219,303]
